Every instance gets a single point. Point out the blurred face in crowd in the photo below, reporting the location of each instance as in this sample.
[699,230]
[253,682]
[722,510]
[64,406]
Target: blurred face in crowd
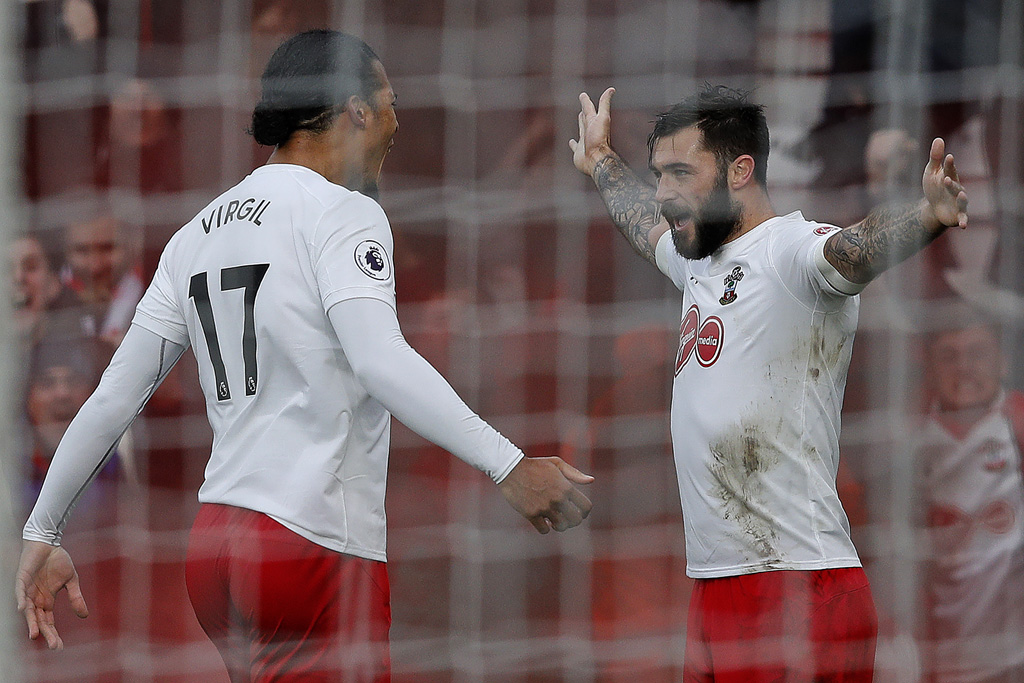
[138,115]
[97,257]
[967,368]
[694,194]
[54,398]
[35,283]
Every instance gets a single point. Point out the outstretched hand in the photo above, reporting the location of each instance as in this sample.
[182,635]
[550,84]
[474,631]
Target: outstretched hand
[946,197]
[595,132]
[44,570]
[541,489]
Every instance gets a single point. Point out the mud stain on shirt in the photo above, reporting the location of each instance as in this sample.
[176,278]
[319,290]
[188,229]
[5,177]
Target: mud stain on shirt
[740,460]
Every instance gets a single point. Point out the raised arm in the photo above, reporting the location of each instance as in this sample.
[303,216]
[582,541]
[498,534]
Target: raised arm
[629,199]
[891,234]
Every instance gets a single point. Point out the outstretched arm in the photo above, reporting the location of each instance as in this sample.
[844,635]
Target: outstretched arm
[540,489]
[891,234]
[629,199]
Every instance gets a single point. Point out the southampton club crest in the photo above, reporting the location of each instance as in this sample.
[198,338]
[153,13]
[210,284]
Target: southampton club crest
[730,286]
[373,260]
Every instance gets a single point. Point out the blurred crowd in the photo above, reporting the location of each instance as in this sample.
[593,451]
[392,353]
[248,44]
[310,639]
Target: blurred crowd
[128,133]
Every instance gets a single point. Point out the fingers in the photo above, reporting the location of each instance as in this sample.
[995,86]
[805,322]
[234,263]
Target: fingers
[20,592]
[566,518]
[573,144]
[604,105]
[586,105]
[540,523]
[949,168]
[29,610]
[936,152]
[49,630]
[77,599]
[571,473]
[581,502]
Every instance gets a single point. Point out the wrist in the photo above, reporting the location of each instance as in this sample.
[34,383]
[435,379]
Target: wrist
[597,155]
[929,220]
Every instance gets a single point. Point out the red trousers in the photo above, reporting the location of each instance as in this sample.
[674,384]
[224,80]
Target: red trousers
[282,609]
[782,626]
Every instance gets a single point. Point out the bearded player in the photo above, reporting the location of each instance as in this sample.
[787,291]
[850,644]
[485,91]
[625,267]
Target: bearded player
[284,287]
[769,312]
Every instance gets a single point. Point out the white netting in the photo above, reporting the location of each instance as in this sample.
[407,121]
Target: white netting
[513,282]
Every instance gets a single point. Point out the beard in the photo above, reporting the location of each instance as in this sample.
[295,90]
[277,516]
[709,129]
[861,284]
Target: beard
[714,220]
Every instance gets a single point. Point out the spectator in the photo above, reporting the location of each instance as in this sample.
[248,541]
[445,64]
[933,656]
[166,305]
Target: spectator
[142,151]
[972,504]
[102,273]
[38,292]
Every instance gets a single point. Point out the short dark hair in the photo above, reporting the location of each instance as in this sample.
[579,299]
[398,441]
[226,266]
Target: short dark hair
[307,77]
[730,126]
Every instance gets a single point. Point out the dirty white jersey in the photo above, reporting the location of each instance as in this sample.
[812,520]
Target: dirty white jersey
[764,349]
[247,283]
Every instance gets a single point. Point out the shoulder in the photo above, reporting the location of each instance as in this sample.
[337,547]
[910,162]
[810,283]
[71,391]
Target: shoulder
[352,211]
[792,235]
[794,226]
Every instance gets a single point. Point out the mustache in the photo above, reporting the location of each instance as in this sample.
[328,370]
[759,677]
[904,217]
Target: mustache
[675,214]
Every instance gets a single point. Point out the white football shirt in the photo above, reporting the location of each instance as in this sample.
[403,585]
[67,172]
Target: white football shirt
[765,346]
[247,282]
[974,497]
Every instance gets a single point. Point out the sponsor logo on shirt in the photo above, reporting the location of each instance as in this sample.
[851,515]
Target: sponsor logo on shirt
[825,229]
[993,457]
[702,340]
[730,286]
[373,260]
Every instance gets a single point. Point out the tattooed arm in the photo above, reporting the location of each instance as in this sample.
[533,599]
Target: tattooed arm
[629,199]
[891,234]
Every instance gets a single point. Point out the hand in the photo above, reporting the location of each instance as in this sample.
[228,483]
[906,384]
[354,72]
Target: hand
[541,489]
[945,196]
[595,132]
[43,571]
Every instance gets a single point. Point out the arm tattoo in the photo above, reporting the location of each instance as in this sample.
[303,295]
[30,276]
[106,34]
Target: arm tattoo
[630,203]
[889,235]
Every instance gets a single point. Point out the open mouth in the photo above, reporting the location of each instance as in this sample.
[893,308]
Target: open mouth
[676,217]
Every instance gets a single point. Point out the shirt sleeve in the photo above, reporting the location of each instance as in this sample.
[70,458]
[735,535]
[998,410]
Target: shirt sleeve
[138,367]
[797,253]
[413,391]
[351,251]
[669,260]
[159,311]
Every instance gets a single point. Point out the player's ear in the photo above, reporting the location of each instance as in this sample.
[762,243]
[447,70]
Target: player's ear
[741,171]
[357,108]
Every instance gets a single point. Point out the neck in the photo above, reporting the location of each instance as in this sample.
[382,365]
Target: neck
[332,161]
[757,208]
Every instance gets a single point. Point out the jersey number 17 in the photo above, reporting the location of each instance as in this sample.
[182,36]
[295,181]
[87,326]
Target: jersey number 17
[247,278]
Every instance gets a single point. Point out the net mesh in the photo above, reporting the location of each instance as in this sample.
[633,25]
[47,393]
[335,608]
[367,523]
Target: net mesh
[513,283]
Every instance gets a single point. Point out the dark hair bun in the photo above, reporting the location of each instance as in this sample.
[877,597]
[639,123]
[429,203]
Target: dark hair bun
[272,127]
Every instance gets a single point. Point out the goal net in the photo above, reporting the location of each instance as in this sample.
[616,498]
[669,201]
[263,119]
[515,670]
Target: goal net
[122,118]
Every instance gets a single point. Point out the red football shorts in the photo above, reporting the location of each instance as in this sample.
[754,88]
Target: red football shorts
[782,627]
[281,608]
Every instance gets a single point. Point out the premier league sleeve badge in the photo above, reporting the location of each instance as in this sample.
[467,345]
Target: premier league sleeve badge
[373,260]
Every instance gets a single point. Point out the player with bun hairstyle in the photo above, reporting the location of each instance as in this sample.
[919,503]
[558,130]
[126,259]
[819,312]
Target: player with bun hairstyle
[285,289]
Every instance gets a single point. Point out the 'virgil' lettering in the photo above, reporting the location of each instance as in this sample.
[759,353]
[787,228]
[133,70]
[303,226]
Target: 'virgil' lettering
[250,210]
